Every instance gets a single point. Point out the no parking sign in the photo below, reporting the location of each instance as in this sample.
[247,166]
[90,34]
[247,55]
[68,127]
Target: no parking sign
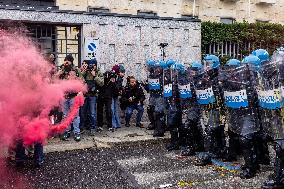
[91,48]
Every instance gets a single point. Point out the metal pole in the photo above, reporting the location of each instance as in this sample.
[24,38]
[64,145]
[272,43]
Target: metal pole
[193,8]
[249,8]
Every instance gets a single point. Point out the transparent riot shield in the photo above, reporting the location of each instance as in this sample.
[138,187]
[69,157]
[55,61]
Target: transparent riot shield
[239,94]
[184,84]
[187,98]
[207,96]
[270,96]
[154,82]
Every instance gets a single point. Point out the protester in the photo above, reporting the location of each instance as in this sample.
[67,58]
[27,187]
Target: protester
[69,71]
[106,93]
[83,112]
[120,72]
[94,79]
[134,96]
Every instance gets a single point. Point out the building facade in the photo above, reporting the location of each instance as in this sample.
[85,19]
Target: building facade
[124,39]
[129,32]
[214,10]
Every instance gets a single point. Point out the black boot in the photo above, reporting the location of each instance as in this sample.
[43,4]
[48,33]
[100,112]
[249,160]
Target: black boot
[187,148]
[251,166]
[198,138]
[217,141]
[159,125]
[150,112]
[276,179]
[262,150]
[127,124]
[187,151]
[204,158]
[174,142]
[234,145]
[221,141]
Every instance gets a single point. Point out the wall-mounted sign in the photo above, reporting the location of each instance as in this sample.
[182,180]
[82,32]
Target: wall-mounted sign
[91,47]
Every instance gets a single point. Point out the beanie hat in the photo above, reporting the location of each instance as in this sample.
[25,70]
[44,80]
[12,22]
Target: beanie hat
[115,69]
[93,61]
[121,69]
[69,57]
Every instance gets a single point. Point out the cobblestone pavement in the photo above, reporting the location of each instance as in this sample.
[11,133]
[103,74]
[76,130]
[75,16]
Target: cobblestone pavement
[143,164]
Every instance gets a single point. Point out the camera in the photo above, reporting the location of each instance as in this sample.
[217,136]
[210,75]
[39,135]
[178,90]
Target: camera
[90,67]
[163,45]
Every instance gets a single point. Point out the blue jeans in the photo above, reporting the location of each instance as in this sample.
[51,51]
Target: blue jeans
[84,119]
[67,105]
[115,113]
[92,107]
[21,156]
[38,153]
[129,111]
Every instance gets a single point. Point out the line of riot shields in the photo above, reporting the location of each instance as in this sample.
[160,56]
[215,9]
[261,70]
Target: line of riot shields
[221,112]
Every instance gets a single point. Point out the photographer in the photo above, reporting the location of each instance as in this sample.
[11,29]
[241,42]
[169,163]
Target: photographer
[94,79]
[69,71]
[106,93]
[134,97]
[120,72]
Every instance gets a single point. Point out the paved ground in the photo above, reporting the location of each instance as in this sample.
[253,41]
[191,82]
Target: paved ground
[118,161]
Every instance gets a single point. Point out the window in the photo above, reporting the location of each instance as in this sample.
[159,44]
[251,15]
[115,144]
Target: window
[146,13]
[29,4]
[262,21]
[189,16]
[227,20]
[98,9]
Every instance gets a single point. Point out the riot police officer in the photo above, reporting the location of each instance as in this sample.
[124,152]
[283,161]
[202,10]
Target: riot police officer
[261,137]
[209,97]
[271,103]
[171,97]
[233,148]
[190,128]
[241,102]
[156,100]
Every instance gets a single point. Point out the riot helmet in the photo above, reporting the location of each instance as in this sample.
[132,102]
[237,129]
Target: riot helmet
[262,54]
[211,62]
[252,61]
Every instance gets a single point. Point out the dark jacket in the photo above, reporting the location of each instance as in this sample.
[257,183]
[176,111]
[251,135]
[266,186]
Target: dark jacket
[64,76]
[93,83]
[119,87]
[135,92]
[109,89]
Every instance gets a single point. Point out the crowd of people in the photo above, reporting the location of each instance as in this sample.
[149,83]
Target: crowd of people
[106,97]
[218,111]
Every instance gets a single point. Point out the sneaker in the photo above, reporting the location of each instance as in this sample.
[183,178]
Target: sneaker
[111,129]
[92,132]
[150,127]
[158,134]
[100,129]
[127,125]
[65,136]
[77,137]
[140,125]
[39,164]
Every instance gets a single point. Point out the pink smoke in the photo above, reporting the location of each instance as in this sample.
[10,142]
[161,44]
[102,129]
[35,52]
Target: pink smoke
[28,93]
